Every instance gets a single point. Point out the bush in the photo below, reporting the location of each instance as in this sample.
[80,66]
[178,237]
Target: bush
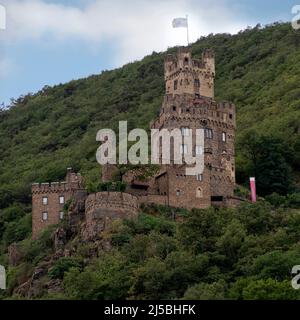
[276,199]
[146,223]
[63,265]
[206,291]
[17,230]
[270,289]
[36,250]
[293,201]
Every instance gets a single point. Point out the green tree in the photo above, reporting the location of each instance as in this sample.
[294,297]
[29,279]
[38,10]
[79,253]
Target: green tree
[206,291]
[269,162]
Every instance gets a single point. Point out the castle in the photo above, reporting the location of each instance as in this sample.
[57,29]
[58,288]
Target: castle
[188,104]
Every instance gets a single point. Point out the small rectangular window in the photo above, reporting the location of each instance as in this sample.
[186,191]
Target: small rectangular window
[61,200]
[45,201]
[224,136]
[61,215]
[45,216]
[199,177]
[208,133]
[175,84]
[178,193]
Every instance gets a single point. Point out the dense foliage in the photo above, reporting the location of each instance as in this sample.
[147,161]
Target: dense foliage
[214,254]
[244,253]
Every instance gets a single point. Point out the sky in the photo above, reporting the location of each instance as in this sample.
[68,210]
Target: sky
[47,42]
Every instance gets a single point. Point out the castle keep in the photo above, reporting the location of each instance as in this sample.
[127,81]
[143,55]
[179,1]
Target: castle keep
[188,104]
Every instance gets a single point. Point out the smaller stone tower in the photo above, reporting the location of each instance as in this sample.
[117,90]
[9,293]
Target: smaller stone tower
[184,75]
[48,200]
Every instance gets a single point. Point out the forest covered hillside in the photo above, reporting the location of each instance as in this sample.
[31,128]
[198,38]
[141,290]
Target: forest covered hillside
[42,134]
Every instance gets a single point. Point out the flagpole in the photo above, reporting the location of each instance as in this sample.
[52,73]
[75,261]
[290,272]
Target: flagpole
[187,30]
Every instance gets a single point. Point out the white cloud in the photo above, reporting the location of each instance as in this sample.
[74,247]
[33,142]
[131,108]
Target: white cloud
[137,27]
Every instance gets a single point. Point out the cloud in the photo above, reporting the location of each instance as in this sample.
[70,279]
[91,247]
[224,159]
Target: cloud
[134,28]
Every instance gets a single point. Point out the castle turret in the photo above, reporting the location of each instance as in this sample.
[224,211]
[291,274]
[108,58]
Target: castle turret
[191,76]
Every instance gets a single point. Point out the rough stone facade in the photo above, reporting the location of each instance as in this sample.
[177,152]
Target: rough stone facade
[48,200]
[104,207]
[186,75]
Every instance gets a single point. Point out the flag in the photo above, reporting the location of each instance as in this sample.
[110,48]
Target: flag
[180,23]
[2,18]
[253,189]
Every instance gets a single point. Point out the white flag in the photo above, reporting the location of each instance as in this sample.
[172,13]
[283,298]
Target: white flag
[180,23]
[2,18]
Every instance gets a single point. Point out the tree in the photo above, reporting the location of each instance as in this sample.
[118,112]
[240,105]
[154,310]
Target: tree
[206,291]
[269,160]
[270,289]
[231,241]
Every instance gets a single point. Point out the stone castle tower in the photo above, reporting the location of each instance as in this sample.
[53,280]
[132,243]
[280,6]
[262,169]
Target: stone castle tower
[49,199]
[189,104]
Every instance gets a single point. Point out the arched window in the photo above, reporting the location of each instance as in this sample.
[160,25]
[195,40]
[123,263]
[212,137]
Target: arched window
[199,193]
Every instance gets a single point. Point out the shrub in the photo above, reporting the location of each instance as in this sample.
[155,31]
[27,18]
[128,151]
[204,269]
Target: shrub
[63,265]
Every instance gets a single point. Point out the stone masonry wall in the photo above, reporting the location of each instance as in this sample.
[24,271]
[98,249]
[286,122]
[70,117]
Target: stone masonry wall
[104,207]
[50,213]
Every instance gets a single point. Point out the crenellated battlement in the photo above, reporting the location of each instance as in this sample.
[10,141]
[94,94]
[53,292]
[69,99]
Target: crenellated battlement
[55,187]
[74,181]
[183,74]
[111,200]
[102,208]
[202,110]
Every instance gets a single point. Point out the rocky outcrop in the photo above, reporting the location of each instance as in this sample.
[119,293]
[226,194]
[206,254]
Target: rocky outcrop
[14,254]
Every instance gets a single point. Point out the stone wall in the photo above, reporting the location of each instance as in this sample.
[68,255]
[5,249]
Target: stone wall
[104,207]
[154,199]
